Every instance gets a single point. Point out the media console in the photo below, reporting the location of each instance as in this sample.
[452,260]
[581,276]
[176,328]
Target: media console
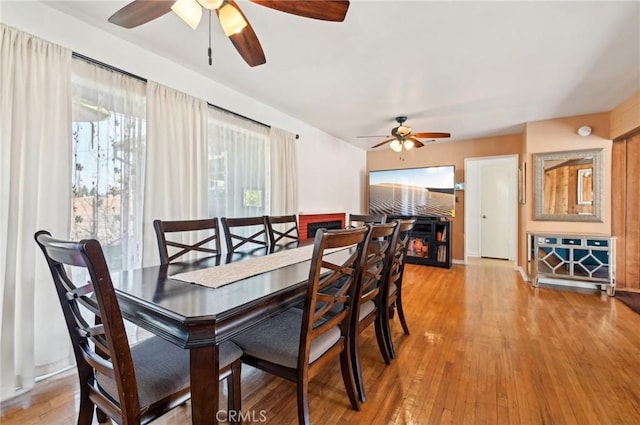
[429,241]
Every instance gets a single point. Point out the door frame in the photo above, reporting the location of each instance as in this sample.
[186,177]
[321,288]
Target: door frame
[472,188]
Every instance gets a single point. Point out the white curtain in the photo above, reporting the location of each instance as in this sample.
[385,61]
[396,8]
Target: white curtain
[177,162]
[284,173]
[239,166]
[35,171]
[109,131]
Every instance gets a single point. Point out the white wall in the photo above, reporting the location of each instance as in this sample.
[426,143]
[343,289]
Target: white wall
[331,171]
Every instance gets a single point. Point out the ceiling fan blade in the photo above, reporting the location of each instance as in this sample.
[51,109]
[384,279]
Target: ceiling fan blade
[383,143]
[416,143]
[325,10]
[431,135]
[140,12]
[246,41]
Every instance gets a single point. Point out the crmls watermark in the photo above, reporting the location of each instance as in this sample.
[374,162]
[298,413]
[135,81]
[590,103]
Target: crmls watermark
[250,416]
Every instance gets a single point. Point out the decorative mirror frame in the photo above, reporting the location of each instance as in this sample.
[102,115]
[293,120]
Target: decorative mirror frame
[598,185]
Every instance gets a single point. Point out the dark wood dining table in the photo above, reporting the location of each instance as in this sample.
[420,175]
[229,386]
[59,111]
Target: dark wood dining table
[200,318]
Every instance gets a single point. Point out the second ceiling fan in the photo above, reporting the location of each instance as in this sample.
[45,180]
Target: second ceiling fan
[403,136]
[234,23]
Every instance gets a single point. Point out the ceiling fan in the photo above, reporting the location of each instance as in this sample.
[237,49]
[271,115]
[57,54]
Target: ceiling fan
[402,136]
[234,23]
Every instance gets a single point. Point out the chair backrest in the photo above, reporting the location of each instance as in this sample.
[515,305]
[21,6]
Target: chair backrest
[331,288]
[257,226]
[379,253]
[283,230]
[357,220]
[396,269]
[183,228]
[103,346]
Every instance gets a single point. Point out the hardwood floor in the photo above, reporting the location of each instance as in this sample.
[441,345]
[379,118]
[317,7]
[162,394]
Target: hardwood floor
[485,348]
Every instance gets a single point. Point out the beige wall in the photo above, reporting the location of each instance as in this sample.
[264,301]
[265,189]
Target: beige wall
[557,135]
[447,153]
[625,117]
[542,136]
[523,255]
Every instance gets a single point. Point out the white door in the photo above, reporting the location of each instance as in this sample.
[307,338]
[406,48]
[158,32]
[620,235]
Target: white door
[494,210]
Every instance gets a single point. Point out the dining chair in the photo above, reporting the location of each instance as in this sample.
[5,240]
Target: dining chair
[206,231]
[392,289]
[357,220]
[297,343]
[133,384]
[235,230]
[369,295]
[283,230]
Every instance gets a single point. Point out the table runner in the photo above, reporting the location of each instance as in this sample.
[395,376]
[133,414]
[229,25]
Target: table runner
[215,277]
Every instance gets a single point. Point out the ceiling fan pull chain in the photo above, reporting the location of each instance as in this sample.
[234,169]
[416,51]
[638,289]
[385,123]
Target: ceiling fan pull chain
[209,50]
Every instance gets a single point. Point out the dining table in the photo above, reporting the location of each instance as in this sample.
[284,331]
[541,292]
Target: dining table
[200,318]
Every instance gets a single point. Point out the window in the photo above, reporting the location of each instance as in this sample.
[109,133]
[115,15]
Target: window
[238,166]
[108,167]
[108,114]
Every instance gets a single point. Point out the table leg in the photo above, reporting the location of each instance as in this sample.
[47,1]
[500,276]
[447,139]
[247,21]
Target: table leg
[205,385]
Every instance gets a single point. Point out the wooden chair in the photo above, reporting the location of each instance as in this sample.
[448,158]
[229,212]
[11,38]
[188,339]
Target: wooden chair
[131,384]
[297,343]
[236,240]
[357,220]
[283,230]
[181,227]
[382,242]
[392,289]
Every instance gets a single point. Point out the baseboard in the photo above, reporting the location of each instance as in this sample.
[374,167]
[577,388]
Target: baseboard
[523,274]
[571,283]
[454,261]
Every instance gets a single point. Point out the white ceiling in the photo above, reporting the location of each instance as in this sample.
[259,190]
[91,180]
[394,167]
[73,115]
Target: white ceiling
[473,69]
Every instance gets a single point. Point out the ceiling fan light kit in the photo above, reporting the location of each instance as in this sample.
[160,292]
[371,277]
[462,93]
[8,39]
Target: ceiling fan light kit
[211,4]
[189,11]
[231,20]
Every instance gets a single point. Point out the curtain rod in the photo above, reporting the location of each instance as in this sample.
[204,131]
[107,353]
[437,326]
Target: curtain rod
[137,77]
[242,116]
[107,66]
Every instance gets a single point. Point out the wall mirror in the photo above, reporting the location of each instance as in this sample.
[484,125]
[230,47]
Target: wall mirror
[568,186]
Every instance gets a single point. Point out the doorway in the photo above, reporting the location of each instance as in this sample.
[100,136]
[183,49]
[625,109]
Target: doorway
[491,192]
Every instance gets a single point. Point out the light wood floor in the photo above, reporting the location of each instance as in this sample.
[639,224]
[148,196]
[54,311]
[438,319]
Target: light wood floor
[485,348]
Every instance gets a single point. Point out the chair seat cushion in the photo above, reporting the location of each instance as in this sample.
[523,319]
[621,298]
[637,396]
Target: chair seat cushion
[277,340]
[162,369]
[366,309]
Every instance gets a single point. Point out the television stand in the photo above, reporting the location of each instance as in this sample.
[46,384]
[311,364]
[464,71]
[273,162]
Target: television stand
[429,242]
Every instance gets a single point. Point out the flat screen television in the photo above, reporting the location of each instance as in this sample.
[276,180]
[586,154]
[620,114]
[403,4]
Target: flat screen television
[425,191]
